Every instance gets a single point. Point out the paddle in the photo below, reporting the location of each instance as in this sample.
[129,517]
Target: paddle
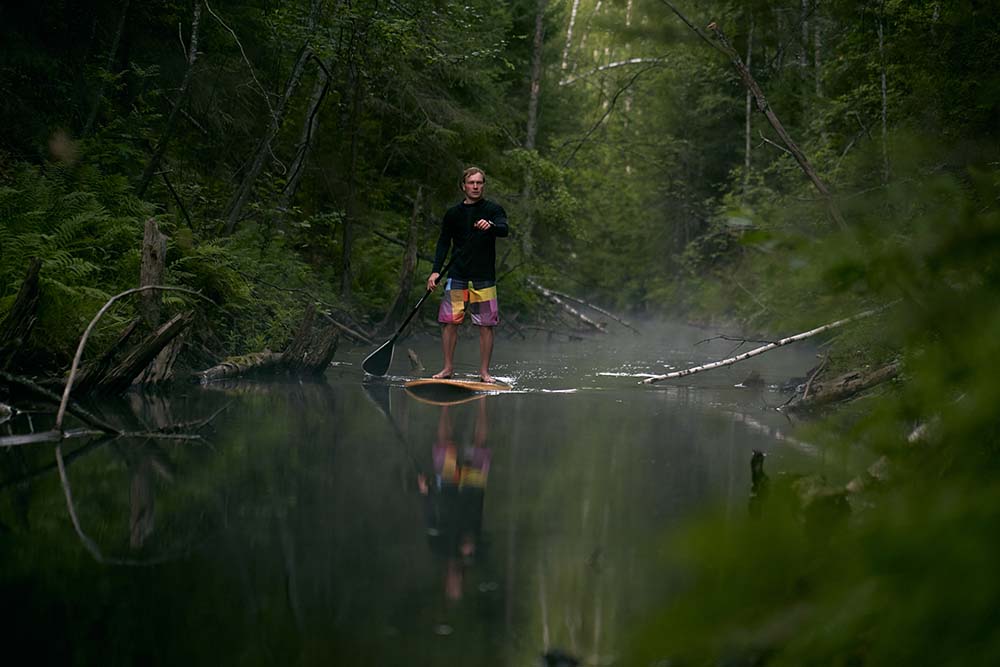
[377,363]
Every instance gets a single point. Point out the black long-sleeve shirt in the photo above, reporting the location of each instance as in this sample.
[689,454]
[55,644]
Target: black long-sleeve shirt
[474,251]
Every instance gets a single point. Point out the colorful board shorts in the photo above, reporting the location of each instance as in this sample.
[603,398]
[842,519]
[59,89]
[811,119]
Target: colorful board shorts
[479,298]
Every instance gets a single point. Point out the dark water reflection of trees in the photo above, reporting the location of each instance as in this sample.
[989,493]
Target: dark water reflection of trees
[337,521]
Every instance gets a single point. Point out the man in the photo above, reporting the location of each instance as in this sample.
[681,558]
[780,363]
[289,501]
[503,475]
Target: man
[469,229]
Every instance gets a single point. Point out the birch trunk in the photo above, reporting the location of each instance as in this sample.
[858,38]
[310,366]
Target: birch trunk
[531,131]
[761,350]
[569,34]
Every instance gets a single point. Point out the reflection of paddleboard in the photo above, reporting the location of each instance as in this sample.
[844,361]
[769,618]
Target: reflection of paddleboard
[451,391]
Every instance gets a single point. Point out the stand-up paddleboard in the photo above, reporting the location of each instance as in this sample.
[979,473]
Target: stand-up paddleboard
[451,391]
[464,385]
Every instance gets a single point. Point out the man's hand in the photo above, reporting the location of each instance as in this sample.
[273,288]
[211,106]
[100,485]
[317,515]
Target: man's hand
[483,225]
[432,281]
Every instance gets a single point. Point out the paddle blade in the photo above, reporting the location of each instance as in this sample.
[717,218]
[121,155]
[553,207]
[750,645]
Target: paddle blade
[377,363]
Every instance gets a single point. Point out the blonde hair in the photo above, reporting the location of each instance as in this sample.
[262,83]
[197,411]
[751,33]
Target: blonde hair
[469,172]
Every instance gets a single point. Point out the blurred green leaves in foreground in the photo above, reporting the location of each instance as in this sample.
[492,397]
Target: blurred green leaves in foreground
[909,575]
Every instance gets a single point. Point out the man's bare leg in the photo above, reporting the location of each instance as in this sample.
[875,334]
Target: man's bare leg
[485,353]
[449,337]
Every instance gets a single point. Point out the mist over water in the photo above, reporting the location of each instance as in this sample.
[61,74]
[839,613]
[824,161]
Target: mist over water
[347,521]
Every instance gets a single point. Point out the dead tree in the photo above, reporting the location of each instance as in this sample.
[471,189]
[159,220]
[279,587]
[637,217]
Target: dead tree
[168,129]
[242,195]
[576,314]
[401,304]
[764,348]
[310,353]
[844,387]
[133,363]
[17,326]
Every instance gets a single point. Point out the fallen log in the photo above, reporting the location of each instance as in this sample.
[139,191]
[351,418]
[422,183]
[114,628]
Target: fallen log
[764,348]
[844,387]
[90,374]
[310,353]
[554,298]
[119,377]
[597,309]
[90,327]
[234,367]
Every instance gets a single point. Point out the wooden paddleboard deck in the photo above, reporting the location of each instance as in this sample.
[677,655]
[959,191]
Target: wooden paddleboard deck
[453,383]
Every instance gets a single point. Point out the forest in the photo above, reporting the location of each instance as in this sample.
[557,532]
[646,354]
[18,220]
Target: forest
[755,167]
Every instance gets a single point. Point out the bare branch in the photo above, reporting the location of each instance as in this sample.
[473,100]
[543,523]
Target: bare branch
[253,75]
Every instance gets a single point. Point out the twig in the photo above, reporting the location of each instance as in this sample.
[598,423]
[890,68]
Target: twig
[611,107]
[809,382]
[90,327]
[778,146]
[733,339]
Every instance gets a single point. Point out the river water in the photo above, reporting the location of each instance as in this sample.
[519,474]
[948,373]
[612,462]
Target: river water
[349,522]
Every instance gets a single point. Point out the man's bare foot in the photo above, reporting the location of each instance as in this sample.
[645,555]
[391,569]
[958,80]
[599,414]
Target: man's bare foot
[444,374]
[487,378]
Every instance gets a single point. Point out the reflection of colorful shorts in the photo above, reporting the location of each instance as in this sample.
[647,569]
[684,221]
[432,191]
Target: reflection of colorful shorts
[480,299]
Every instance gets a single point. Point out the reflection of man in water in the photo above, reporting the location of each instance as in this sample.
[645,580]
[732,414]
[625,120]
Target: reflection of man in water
[454,498]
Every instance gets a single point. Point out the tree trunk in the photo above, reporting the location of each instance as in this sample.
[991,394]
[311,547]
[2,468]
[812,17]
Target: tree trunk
[309,128]
[309,353]
[885,97]
[312,349]
[569,34]
[531,131]
[845,387]
[401,303]
[245,189]
[576,314]
[749,111]
[347,235]
[168,130]
[16,327]
[112,55]
[761,350]
[135,362]
[154,255]
[772,118]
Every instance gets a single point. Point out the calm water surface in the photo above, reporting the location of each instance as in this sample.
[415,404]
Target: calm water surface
[347,522]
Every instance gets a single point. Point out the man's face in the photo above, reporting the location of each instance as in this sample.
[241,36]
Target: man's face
[473,187]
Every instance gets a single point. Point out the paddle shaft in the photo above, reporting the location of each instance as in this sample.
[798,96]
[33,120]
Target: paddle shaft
[413,312]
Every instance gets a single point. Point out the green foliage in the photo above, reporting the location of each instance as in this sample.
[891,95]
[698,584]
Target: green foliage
[86,230]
